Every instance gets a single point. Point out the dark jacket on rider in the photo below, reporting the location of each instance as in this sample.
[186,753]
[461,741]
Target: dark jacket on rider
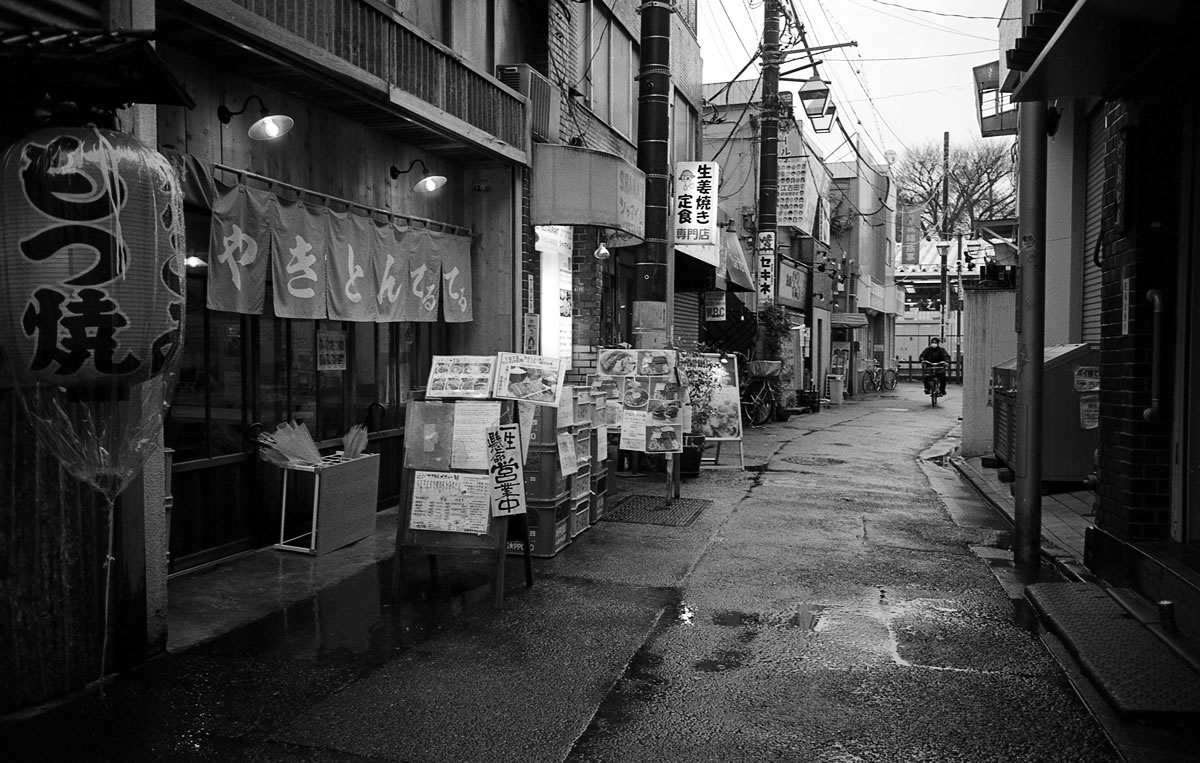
[934,353]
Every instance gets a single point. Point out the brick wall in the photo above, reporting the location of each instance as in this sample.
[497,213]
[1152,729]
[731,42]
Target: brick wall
[1133,496]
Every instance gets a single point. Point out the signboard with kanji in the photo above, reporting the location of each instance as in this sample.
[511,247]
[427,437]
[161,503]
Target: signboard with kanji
[764,266]
[695,220]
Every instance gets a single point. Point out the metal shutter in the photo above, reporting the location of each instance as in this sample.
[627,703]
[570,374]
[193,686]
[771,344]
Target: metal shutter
[687,318]
[1092,224]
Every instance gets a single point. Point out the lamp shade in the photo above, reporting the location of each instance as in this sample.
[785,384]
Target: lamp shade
[91,256]
[814,96]
[271,126]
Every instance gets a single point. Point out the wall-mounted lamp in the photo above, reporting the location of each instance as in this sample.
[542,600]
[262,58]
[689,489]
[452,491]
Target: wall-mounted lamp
[428,182]
[268,127]
[602,252]
[195,262]
[819,296]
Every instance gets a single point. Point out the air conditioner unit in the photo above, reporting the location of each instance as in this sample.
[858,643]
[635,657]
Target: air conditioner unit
[543,98]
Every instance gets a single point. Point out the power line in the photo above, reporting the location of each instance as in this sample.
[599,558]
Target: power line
[927,25]
[939,13]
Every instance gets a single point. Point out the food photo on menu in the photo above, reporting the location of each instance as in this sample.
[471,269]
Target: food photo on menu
[664,412]
[637,394]
[654,362]
[533,378]
[617,362]
[663,439]
[666,389]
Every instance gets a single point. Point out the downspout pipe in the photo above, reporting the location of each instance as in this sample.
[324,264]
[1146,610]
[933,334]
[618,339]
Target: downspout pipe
[1031,332]
[651,319]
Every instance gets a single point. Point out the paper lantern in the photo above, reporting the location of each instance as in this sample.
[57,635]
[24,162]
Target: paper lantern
[91,251]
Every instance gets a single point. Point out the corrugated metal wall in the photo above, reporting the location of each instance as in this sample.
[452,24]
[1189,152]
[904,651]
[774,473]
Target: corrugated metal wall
[687,318]
[1092,218]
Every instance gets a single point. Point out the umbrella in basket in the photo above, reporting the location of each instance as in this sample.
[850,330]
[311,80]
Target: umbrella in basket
[290,443]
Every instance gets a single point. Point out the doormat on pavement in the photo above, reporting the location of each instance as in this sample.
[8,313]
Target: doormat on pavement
[656,510]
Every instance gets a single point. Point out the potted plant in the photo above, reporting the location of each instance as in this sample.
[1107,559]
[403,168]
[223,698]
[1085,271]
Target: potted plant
[776,332]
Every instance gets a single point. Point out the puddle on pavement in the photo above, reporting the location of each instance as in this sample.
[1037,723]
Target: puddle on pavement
[356,619]
[809,618]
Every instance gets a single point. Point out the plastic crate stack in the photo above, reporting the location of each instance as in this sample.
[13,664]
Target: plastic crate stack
[581,480]
[547,490]
[599,451]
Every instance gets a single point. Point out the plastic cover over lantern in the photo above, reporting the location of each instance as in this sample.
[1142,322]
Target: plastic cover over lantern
[91,315]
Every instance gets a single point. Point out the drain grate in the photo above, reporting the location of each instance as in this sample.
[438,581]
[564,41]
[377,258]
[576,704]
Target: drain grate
[656,510]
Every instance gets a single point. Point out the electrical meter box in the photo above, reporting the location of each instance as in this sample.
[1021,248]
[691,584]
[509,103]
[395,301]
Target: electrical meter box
[1070,412]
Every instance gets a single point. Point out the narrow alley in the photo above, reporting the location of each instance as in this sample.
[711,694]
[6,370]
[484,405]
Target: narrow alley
[823,605]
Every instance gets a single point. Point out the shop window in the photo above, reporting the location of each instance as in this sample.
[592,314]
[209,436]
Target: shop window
[272,369]
[186,425]
[302,373]
[226,361]
[331,378]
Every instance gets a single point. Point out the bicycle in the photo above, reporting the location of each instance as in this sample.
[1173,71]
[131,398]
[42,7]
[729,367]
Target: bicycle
[933,380]
[757,389]
[875,378]
[758,400]
[891,377]
[872,378]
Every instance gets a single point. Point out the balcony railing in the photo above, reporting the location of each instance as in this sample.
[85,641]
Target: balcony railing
[369,35]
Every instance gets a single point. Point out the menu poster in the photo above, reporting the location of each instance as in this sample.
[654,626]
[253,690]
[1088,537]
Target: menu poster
[461,376]
[633,431]
[451,502]
[472,420]
[566,453]
[566,408]
[428,431]
[506,470]
[331,351]
[617,362]
[535,378]
[616,413]
[525,413]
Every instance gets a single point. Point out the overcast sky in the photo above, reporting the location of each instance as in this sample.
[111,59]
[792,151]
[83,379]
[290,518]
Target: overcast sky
[906,83]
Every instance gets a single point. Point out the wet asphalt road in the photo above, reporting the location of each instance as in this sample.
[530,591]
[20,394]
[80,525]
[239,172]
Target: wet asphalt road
[826,606]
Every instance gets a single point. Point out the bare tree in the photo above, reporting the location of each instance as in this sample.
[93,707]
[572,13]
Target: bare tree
[982,185]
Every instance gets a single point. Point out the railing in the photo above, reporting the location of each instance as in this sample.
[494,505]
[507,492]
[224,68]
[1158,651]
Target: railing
[370,35]
[910,370]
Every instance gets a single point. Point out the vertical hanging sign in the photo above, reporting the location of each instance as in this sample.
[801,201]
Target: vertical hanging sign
[765,266]
[695,220]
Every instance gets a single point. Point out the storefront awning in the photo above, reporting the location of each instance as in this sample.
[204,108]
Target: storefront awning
[732,265]
[848,321]
[1098,48]
[581,186]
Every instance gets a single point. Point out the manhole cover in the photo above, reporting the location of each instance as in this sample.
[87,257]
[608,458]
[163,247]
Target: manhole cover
[813,460]
[656,510]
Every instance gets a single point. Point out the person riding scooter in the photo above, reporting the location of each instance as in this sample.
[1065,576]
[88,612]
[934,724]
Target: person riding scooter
[930,356]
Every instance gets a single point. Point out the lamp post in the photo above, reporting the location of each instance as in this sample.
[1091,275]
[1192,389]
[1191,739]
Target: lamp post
[943,248]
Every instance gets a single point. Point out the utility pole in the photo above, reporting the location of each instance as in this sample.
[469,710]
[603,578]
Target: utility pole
[768,166]
[958,305]
[1031,329]
[944,248]
[651,319]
